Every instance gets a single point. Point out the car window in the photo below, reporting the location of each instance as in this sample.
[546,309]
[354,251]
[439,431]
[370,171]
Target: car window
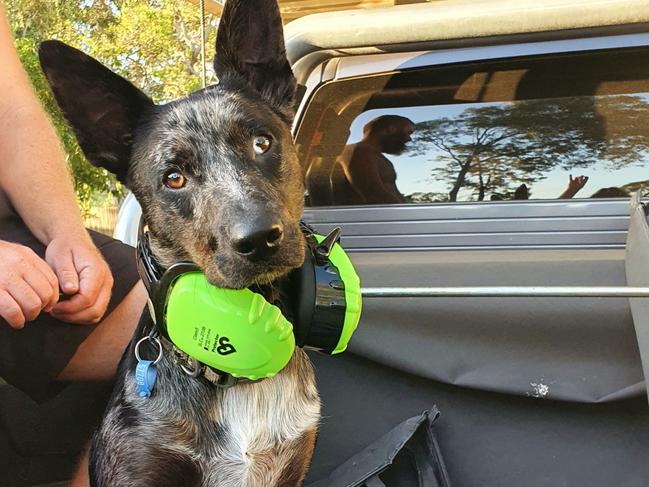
[556,126]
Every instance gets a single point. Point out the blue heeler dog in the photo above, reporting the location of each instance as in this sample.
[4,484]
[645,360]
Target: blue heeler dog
[219,182]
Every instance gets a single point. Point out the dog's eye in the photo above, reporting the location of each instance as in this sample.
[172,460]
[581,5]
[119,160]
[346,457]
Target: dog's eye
[262,144]
[174,180]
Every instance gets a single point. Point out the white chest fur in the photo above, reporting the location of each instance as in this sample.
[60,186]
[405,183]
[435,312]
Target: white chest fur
[244,436]
[263,425]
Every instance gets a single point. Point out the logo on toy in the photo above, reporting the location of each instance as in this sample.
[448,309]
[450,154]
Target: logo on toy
[225,347]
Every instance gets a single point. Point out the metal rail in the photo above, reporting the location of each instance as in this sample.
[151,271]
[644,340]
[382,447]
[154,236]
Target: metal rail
[203,42]
[507,292]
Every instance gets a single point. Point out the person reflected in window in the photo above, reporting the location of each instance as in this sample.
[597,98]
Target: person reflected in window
[371,176]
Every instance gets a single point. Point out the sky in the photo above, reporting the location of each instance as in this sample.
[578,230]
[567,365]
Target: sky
[414,172]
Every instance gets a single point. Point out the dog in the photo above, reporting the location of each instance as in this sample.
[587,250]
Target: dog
[218,179]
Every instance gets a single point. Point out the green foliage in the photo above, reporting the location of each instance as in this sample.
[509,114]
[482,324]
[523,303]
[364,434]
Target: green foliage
[154,44]
[88,181]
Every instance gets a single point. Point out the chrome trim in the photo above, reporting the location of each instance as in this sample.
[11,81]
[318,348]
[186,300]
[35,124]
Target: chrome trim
[376,64]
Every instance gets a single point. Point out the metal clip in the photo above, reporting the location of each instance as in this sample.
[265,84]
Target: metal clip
[324,248]
[196,368]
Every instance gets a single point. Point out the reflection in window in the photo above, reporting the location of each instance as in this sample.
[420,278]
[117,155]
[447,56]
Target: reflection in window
[370,176]
[559,126]
[540,149]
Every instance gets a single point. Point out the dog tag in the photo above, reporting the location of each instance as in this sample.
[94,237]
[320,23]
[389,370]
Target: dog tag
[145,377]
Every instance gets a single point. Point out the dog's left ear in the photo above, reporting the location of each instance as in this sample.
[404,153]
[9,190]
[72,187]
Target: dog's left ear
[102,108]
[250,45]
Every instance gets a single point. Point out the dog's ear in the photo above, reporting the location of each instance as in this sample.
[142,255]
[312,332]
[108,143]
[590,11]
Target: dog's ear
[102,108]
[250,44]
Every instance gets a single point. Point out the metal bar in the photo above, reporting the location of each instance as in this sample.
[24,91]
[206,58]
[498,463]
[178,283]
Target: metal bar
[507,292]
[203,42]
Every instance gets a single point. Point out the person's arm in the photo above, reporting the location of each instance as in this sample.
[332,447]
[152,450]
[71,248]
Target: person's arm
[35,177]
[33,171]
[574,185]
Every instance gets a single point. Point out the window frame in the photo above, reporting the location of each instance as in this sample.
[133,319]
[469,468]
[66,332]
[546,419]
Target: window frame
[598,224]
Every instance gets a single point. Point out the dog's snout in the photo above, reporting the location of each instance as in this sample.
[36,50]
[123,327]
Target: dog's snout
[258,239]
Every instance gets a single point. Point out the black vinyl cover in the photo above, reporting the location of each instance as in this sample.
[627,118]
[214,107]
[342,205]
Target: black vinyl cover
[487,439]
[406,456]
[534,392]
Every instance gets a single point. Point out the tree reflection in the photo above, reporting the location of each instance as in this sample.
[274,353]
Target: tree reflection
[496,148]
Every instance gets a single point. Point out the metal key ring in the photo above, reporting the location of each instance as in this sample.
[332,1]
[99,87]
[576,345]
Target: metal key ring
[192,373]
[142,340]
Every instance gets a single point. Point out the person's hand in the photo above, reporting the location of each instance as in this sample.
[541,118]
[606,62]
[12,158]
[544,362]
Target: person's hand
[82,274]
[27,285]
[575,184]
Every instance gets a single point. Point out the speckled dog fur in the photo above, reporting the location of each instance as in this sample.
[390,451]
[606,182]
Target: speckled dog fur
[191,433]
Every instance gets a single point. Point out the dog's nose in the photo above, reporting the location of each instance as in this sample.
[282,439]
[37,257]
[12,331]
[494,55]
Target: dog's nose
[256,240]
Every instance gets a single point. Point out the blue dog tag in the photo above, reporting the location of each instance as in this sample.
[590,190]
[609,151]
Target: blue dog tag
[145,376]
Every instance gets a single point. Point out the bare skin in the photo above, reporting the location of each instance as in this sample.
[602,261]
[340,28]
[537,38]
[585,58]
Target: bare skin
[36,165]
[574,186]
[369,172]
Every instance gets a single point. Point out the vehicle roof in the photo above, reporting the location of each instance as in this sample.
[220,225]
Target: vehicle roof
[447,23]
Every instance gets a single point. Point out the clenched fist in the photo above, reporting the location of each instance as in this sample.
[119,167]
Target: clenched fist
[27,285]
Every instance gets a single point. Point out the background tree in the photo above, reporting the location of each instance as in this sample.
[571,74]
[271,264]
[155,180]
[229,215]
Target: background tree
[495,148]
[154,44]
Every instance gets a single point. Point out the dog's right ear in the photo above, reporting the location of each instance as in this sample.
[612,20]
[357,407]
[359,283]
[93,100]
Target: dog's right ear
[102,108]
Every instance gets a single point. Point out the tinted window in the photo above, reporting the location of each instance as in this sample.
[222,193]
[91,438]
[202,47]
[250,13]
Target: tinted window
[559,126]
